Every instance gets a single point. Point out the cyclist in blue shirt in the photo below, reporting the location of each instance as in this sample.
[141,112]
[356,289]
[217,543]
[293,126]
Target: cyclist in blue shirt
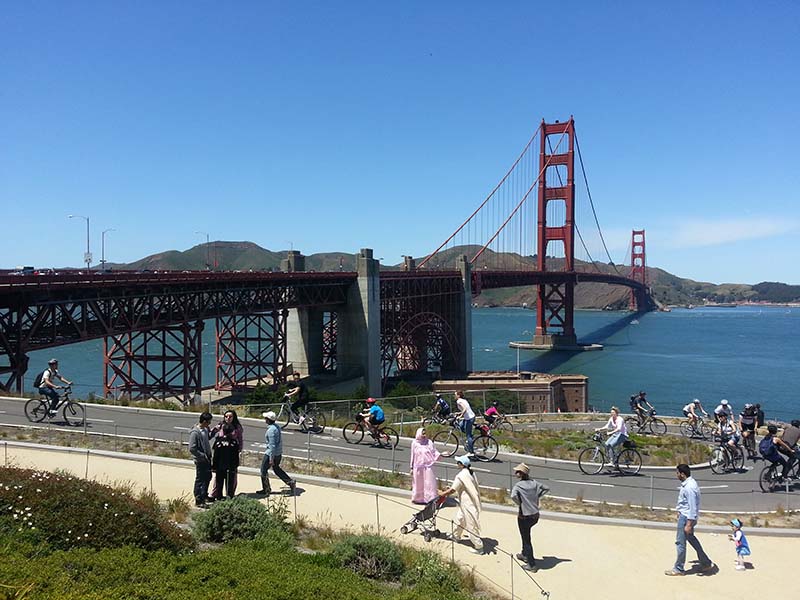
[441,408]
[373,416]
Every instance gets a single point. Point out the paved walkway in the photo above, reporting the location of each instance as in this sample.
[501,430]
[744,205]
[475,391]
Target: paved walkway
[578,560]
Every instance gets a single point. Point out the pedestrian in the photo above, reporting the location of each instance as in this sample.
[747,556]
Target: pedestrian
[230,418]
[272,456]
[759,416]
[467,417]
[200,449]
[742,547]
[688,509]
[526,494]
[225,462]
[465,484]
[423,479]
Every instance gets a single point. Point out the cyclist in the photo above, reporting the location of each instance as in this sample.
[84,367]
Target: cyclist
[298,391]
[48,386]
[467,417]
[787,445]
[491,414]
[617,433]
[727,432]
[641,406]
[690,409]
[441,408]
[725,408]
[772,451]
[747,425]
[373,416]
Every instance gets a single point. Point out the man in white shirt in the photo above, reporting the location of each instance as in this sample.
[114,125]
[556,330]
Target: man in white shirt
[688,509]
[467,416]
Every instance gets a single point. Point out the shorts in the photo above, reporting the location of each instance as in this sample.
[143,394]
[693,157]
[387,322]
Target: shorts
[686,413]
[750,427]
[373,421]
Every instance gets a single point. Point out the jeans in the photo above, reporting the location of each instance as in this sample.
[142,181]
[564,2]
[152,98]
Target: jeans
[612,443]
[466,427]
[202,477]
[680,541]
[276,467]
[51,394]
[227,477]
[525,523]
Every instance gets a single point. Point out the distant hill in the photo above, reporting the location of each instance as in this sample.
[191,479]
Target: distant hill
[667,288]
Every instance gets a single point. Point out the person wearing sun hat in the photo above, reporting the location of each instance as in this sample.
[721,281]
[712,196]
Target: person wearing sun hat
[272,456]
[742,547]
[465,484]
[526,494]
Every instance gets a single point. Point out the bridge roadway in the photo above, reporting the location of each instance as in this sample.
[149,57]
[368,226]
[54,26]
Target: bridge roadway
[732,493]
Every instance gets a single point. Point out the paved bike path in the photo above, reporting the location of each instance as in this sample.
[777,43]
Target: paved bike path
[578,559]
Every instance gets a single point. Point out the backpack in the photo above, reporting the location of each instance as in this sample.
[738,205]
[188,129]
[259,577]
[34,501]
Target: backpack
[767,449]
[37,383]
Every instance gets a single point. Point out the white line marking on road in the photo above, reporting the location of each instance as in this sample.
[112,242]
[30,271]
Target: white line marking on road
[712,487]
[584,483]
[336,447]
[181,428]
[100,420]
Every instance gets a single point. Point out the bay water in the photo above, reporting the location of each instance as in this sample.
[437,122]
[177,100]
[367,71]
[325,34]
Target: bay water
[744,354]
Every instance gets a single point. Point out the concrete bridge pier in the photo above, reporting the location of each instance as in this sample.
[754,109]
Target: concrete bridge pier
[463,323]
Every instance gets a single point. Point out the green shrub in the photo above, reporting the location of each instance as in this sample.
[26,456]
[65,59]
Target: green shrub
[63,511]
[370,556]
[428,570]
[241,518]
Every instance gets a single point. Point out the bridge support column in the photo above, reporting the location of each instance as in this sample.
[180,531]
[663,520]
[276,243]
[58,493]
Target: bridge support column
[304,335]
[251,350]
[358,328]
[463,324]
[11,347]
[158,363]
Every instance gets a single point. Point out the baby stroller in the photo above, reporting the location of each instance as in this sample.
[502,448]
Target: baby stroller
[425,520]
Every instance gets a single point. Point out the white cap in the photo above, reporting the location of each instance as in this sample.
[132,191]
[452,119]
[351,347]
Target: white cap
[724,402]
[269,415]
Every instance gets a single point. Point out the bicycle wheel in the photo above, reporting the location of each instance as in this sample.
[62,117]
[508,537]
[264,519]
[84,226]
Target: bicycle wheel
[388,438]
[591,460]
[736,455]
[429,421]
[446,442]
[505,425]
[314,422]
[485,448]
[632,424]
[353,433]
[36,410]
[718,460]
[686,429]
[706,431]
[284,419]
[768,479]
[658,427]
[629,461]
[73,414]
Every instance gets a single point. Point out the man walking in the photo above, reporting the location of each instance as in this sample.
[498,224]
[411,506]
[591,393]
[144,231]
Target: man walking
[272,456]
[688,508]
[200,449]
[526,495]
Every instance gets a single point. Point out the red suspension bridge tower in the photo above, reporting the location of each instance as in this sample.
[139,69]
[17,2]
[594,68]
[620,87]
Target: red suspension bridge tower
[638,266]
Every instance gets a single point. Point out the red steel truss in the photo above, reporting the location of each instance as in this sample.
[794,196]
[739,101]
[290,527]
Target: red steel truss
[251,350]
[556,301]
[420,315]
[157,363]
[638,266]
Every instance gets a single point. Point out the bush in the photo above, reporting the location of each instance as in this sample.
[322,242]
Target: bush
[65,512]
[238,519]
[370,556]
[428,570]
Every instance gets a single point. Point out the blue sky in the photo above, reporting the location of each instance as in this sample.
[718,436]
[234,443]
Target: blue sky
[335,126]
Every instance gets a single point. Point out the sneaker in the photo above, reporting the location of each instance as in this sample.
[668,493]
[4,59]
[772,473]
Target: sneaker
[674,573]
[532,568]
[521,557]
[210,499]
[707,568]
[292,486]
[476,550]
[201,505]
[52,413]
[263,492]
[740,567]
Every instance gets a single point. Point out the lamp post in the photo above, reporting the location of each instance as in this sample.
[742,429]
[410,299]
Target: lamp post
[208,249]
[103,248]
[87,258]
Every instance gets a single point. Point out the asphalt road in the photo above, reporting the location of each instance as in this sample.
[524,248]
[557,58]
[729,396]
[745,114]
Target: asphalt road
[731,493]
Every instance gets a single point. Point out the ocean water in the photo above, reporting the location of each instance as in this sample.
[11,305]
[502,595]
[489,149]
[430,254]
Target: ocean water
[744,354]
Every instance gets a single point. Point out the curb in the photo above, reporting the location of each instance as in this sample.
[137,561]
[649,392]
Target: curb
[406,494]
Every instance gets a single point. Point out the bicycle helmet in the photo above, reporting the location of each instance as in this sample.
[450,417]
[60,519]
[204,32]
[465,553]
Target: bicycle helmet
[748,406]
[697,400]
[52,361]
[495,404]
[724,402]
[370,400]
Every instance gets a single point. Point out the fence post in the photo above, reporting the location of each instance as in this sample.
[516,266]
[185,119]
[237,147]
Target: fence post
[151,476]
[84,419]
[6,452]
[651,492]
[511,556]
[378,513]
[115,437]
[86,474]
[308,449]
[394,447]
[402,421]
[510,477]
[452,542]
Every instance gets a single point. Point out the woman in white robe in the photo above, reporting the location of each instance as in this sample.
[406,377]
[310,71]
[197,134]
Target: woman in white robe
[465,485]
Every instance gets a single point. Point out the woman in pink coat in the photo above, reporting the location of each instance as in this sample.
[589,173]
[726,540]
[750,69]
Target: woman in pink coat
[423,479]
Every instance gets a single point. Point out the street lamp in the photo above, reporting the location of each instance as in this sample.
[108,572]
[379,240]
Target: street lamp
[208,249]
[103,248]
[87,258]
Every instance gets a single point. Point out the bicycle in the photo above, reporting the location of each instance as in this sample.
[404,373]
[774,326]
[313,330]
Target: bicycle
[650,424]
[770,477]
[592,460]
[484,446]
[354,431]
[725,458]
[312,419]
[501,423]
[749,443]
[700,429]
[38,409]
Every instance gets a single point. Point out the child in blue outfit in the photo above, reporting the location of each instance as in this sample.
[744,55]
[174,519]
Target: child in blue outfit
[742,547]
